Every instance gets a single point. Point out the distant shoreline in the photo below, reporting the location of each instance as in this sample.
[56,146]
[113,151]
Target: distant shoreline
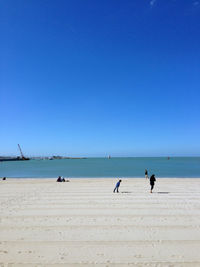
[106,157]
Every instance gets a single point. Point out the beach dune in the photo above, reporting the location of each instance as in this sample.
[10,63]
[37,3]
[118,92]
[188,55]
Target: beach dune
[83,223]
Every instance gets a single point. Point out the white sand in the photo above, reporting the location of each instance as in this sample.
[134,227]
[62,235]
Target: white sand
[82,223]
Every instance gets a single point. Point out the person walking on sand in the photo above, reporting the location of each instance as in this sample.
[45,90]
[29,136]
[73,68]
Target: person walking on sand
[152,181]
[117,186]
[146,174]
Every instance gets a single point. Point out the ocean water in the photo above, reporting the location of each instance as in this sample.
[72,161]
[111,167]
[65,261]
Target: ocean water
[103,167]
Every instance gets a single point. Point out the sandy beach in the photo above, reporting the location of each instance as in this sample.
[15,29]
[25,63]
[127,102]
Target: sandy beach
[82,223]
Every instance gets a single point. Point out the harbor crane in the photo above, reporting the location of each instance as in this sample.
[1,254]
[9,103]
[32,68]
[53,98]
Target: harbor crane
[22,155]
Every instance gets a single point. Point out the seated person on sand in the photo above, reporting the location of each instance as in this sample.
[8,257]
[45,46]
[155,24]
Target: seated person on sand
[4,178]
[117,186]
[59,179]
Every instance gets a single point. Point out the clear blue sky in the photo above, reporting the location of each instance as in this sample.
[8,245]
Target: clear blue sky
[100,77]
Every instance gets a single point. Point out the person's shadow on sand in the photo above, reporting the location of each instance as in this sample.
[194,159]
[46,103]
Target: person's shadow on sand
[129,192]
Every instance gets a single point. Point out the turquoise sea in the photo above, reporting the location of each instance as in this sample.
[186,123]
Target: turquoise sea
[103,167]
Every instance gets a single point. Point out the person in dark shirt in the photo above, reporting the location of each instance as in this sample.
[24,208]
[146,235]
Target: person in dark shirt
[152,181]
[146,174]
[62,179]
[117,186]
[59,179]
